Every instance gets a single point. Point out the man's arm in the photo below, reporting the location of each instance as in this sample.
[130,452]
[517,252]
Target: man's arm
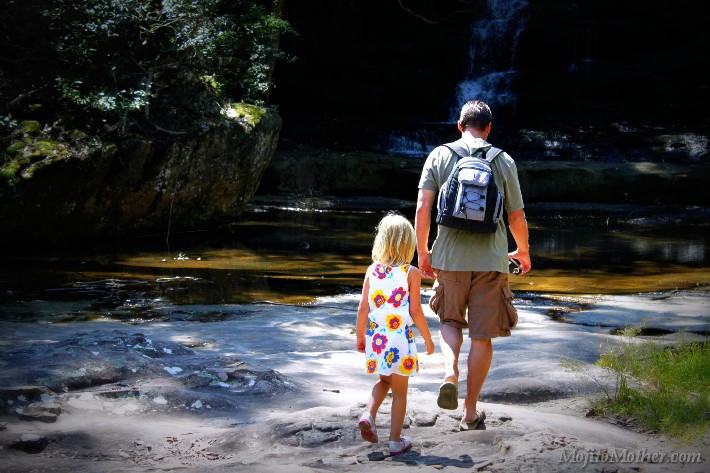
[422,222]
[519,229]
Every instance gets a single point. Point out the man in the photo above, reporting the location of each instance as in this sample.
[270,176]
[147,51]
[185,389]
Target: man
[471,269]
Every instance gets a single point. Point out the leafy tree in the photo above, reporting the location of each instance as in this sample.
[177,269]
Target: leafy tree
[121,66]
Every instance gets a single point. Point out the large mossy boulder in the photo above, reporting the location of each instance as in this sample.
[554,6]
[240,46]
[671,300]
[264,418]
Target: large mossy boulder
[54,190]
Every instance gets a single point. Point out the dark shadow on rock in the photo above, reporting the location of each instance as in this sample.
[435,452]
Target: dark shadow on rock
[30,443]
[415,458]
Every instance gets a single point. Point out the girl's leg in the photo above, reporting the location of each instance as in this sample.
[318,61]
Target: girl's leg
[379,392]
[400,384]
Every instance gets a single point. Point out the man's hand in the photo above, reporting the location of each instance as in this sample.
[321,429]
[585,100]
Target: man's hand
[422,220]
[519,229]
[425,266]
[523,259]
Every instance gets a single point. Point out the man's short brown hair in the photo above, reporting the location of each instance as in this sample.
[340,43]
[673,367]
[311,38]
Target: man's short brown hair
[475,114]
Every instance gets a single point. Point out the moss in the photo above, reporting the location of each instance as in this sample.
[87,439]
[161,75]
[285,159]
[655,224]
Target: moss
[29,171]
[15,149]
[44,147]
[78,135]
[24,157]
[9,173]
[249,115]
[30,127]
[109,150]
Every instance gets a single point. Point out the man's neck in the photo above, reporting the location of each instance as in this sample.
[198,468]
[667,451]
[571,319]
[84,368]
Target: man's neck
[474,133]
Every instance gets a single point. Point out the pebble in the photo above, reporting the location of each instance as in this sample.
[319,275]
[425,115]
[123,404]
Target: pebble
[160,400]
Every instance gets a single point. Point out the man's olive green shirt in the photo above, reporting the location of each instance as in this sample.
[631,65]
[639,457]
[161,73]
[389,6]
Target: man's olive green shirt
[460,250]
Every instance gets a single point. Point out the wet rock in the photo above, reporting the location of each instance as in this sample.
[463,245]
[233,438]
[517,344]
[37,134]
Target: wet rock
[310,435]
[12,396]
[316,438]
[91,359]
[325,426]
[160,400]
[424,419]
[291,429]
[109,368]
[373,457]
[40,412]
[253,381]
[523,391]
[30,443]
[25,393]
[36,416]
[155,348]
[119,393]
[50,407]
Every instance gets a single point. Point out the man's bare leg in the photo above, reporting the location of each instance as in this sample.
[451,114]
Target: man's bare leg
[479,362]
[451,339]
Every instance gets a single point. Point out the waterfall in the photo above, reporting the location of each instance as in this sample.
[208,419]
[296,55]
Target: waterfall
[494,39]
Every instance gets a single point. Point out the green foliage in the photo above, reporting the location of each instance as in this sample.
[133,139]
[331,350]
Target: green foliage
[137,65]
[662,388]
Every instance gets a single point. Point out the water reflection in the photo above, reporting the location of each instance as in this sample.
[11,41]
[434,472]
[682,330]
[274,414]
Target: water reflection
[295,256]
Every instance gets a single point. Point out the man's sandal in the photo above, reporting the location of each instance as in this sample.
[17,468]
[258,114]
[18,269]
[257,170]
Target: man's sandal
[472,425]
[448,396]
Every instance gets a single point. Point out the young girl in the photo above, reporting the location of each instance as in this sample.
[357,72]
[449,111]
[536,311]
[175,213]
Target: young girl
[389,306]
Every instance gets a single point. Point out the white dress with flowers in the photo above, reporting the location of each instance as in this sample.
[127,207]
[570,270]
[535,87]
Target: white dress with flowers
[389,344]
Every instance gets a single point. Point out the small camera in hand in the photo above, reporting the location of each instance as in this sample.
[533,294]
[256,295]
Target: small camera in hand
[516,268]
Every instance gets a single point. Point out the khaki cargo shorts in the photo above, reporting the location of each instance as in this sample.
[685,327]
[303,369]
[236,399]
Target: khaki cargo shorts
[479,300]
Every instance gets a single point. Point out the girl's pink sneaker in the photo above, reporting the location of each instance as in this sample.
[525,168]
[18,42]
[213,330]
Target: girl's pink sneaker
[402,446]
[368,429]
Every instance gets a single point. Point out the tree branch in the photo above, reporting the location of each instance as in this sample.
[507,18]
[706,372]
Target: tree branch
[441,20]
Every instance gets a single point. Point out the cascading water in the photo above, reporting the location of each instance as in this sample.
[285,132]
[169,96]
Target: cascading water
[494,38]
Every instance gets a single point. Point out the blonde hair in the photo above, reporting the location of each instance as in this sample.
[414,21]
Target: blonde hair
[395,241]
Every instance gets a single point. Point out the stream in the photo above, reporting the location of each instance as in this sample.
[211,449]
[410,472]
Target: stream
[298,253]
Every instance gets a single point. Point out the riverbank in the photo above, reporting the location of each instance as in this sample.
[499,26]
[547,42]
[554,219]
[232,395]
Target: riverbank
[305,171]
[255,387]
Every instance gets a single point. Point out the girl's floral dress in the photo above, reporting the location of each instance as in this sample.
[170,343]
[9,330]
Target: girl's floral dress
[389,344]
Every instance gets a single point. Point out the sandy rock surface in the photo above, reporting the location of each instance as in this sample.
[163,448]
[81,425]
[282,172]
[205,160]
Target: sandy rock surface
[272,387]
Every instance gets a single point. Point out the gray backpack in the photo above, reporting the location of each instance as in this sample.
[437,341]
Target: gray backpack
[469,199]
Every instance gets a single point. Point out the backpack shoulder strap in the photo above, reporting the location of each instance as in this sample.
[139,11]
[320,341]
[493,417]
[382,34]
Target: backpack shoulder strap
[492,154]
[462,151]
[458,148]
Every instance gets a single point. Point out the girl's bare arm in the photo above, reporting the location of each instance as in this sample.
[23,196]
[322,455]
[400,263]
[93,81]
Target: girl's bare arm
[363,310]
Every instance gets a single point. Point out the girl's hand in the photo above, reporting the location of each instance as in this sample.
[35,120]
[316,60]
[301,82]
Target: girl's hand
[360,344]
[429,346]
